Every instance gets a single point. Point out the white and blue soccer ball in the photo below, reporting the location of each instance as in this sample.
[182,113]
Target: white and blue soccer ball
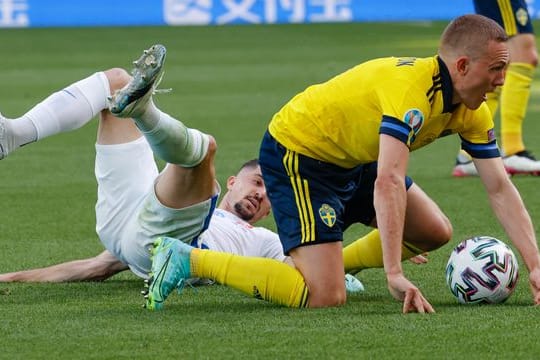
[482,269]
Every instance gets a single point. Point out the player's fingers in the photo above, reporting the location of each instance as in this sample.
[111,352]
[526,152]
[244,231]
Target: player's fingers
[406,307]
[411,302]
[536,295]
[407,302]
[419,303]
[415,302]
[428,307]
[535,290]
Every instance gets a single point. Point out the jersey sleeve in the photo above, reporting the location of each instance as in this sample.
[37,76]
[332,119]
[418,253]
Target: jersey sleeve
[272,247]
[478,134]
[405,108]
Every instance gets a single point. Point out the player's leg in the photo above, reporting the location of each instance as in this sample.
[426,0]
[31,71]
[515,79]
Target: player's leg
[261,278]
[169,138]
[111,129]
[125,172]
[426,227]
[189,177]
[65,110]
[321,266]
[513,16]
[132,214]
[307,202]
[183,197]
[267,279]
[514,101]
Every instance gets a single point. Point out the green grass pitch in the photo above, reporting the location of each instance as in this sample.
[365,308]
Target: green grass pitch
[227,81]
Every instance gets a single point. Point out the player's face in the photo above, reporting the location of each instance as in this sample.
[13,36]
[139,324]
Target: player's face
[247,194]
[483,74]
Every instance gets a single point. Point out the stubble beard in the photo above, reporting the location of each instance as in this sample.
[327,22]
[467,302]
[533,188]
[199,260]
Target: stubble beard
[241,212]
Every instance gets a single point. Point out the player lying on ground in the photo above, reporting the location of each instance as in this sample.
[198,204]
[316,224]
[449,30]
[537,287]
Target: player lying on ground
[135,203]
[134,100]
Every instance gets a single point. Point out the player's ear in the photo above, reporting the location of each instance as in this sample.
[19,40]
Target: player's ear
[462,65]
[230,182]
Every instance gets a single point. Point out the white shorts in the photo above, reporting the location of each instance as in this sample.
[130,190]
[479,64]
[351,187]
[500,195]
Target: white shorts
[129,217]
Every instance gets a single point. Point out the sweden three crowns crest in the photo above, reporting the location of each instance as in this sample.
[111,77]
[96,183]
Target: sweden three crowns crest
[327,214]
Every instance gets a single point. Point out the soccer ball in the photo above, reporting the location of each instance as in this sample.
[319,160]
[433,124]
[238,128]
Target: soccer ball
[482,270]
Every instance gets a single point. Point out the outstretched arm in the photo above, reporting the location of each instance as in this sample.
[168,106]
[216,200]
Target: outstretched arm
[98,268]
[390,199]
[512,214]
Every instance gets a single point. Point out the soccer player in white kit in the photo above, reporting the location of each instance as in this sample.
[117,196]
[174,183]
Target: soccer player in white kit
[136,203]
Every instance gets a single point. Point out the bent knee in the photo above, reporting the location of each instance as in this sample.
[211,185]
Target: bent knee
[441,234]
[208,159]
[212,147]
[117,77]
[327,299]
[445,230]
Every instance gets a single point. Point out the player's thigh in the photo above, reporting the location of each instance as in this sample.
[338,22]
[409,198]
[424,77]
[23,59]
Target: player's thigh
[426,226]
[307,195]
[112,130]
[512,15]
[154,220]
[321,266]
[179,187]
[125,174]
[523,49]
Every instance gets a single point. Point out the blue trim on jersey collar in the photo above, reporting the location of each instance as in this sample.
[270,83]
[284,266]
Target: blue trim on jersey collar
[447,87]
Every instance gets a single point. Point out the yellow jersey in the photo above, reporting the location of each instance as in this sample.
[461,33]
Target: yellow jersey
[339,121]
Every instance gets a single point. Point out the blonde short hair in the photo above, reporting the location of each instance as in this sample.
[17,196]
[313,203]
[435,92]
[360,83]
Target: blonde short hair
[468,35]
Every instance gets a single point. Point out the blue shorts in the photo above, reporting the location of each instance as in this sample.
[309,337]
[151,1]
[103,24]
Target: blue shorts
[360,208]
[313,201]
[512,15]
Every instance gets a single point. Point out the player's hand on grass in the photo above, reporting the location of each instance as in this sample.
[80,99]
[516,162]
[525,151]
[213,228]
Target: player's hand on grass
[404,290]
[534,282]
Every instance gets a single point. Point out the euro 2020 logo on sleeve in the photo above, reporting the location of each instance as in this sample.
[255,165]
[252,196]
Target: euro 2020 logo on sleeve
[415,119]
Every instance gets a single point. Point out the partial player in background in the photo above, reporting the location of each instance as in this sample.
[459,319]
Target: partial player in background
[513,96]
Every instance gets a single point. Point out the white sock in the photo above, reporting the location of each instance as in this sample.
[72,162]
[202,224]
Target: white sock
[23,132]
[171,140]
[65,110]
[150,117]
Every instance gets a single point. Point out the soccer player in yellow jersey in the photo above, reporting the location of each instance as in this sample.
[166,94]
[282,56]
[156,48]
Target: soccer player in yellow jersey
[513,97]
[313,156]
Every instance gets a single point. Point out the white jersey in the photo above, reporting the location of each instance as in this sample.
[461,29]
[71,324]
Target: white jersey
[228,233]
